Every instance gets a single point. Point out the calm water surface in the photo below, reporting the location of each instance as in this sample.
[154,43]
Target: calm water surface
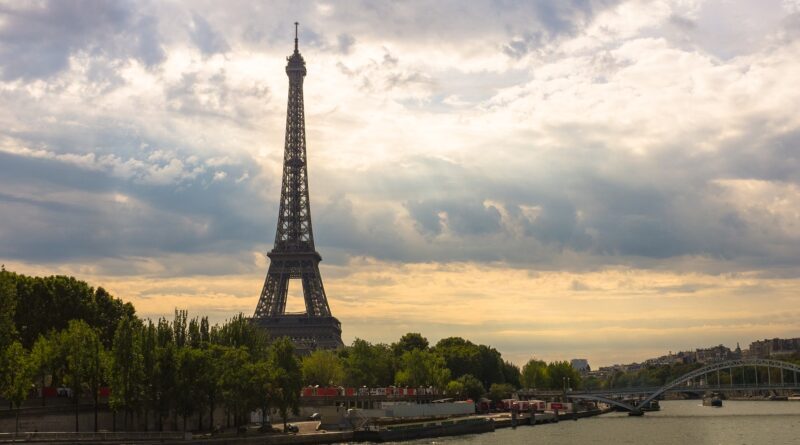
[684,422]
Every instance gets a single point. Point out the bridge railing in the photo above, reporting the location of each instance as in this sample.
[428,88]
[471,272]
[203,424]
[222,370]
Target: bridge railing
[681,388]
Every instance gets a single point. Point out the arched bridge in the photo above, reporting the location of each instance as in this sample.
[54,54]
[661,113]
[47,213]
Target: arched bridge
[686,382]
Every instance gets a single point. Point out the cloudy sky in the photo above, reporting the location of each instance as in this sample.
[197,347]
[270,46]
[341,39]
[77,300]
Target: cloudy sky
[585,178]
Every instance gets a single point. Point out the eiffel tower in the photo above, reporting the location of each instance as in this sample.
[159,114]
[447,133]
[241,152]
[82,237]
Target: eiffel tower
[294,255]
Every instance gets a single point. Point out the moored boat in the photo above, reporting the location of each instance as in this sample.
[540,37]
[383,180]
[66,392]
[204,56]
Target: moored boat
[653,405]
[712,400]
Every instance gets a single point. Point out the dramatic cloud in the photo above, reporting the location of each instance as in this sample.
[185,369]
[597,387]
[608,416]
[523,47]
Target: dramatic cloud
[534,168]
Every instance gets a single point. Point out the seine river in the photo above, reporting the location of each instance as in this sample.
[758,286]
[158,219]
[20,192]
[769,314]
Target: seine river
[684,422]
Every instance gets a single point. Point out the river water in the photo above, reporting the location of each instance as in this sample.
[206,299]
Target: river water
[684,422]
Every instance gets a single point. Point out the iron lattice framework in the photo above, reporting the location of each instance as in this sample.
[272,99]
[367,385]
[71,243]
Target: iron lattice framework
[606,396]
[293,255]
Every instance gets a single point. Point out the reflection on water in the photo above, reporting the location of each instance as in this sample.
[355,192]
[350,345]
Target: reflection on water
[684,422]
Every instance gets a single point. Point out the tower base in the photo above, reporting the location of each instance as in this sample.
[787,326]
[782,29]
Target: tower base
[307,333]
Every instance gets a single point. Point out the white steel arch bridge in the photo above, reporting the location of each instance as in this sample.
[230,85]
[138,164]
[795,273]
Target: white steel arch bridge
[684,382]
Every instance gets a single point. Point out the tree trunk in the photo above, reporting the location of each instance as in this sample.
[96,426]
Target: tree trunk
[200,419]
[211,417]
[95,409]
[77,428]
[16,423]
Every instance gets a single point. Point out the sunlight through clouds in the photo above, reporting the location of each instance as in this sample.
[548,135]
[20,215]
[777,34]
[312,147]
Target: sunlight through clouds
[517,174]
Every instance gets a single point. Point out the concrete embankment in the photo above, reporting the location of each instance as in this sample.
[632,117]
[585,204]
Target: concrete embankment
[305,438]
[176,438]
[506,421]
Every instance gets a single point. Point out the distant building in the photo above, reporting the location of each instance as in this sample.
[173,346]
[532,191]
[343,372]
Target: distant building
[713,354]
[581,365]
[776,347]
[682,357]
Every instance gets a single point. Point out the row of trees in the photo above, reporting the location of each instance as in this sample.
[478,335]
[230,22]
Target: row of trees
[167,370]
[460,367]
[60,331]
[454,364]
[554,375]
[86,339]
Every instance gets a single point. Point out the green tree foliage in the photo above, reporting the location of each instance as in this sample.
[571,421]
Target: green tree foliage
[454,388]
[149,360]
[16,377]
[209,382]
[127,371]
[165,381]
[462,356]
[481,361]
[8,309]
[563,375]
[43,359]
[491,366]
[323,367]
[190,397]
[44,304]
[238,331]
[287,377]
[511,373]
[534,375]
[234,381]
[473,388]
[264,386]
[84,372]
[104,313]
[500,391]
[179,327]
[410,342]
[422,368]
[367,364]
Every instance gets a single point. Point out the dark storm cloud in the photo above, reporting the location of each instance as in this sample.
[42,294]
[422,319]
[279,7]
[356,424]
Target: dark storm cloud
[659,206]
[462,217]
[66,212]
[37,39]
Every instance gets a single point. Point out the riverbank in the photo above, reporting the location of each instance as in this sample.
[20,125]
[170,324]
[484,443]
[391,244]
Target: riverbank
[470,425]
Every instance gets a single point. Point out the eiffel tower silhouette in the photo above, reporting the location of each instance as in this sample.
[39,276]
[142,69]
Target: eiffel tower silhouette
[294,255]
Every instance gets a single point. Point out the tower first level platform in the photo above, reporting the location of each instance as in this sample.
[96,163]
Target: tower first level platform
[307,333]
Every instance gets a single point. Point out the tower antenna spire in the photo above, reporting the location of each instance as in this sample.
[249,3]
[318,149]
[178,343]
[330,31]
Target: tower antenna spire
[295,36]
